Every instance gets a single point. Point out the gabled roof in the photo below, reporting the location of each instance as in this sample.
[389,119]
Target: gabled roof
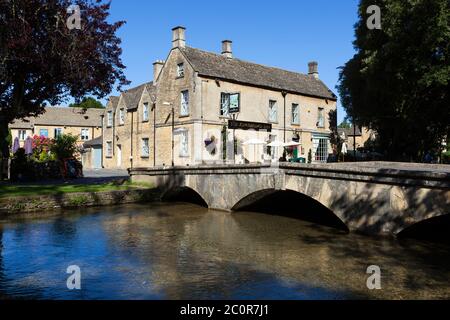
[63,116]
[220,67]
[114,100]
[133,96]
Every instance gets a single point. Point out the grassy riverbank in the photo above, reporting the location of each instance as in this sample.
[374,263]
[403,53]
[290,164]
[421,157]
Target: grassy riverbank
[21,190]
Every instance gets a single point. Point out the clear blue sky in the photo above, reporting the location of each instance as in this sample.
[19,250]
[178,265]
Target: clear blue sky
[282,33]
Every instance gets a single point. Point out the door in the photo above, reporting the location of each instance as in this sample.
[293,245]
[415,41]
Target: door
[97,157]
[119,156]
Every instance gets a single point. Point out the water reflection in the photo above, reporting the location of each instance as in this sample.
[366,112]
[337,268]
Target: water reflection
[182,251]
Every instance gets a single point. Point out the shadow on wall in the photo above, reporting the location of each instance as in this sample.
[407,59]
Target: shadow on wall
[290,204]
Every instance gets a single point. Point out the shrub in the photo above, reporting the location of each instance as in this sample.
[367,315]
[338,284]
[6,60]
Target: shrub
[65,147]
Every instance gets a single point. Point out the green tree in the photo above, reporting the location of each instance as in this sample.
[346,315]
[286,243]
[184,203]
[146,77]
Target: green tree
[44,59]
[397,83]
[87,103]
[345,124]
[64,146]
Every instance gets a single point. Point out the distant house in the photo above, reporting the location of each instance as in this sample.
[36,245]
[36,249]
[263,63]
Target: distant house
[358,136]
[199,97]
[86,124]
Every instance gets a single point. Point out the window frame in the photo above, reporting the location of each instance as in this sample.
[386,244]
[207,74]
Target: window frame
[22,137]
[121,116]
[109,119]
[184,153]
[82,136]
[275,104]
[109,149]
[147,154]
[320,117]
[42,135]
[297,107]
[186,103]
[180,70]
[145,112]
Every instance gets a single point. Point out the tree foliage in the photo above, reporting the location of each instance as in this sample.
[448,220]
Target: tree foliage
[397,83]
[43,61]
[87,103]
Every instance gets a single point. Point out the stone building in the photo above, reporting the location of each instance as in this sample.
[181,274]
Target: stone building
[356,136]
[199,103]
[86,124]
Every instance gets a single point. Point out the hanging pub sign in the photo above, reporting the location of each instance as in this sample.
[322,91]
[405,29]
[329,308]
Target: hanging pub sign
[246,125]
[234,102]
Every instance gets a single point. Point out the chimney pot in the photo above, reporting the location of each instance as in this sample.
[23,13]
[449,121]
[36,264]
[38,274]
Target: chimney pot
[227,50]
[178,37]
[313,69]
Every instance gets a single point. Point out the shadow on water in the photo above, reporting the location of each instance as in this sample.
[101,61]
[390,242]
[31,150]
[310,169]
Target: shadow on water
[184,194]
[295,205]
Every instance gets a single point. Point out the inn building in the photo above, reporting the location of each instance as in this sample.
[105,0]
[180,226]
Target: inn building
[201,106]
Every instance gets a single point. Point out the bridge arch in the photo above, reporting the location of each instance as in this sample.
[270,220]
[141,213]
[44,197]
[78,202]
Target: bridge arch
[184,194]
[434,228]
[290,203]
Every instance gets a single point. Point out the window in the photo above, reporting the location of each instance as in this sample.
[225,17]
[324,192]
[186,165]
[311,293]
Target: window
[229,103]
[295,114]
[121,116]
[43,133]
[320,148]
[273,117]
[321,119]
[180,70]
[184,144]
[22,134]
[58,132]
[84,134]
[109,149]
[184,103]
[145,112]
[109,119]
[145,153]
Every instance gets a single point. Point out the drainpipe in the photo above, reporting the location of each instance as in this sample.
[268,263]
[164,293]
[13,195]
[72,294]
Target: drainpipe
[154,134]
[131,139]
[103,138]
[284,93]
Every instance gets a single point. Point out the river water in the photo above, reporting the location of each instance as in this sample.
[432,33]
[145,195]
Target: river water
[183,251]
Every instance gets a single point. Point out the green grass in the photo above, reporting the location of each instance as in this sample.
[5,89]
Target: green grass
[8,190]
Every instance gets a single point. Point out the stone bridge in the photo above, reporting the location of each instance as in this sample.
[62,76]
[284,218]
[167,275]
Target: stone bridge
[374,198]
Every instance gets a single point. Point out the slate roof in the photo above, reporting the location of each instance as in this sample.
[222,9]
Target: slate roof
[62,116]
[114,101]
[217,66]
[94,142]
[133,95]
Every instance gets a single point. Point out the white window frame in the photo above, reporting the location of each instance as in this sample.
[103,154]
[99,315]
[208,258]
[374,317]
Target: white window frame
[84,134]
[145,147]
[121,116]
[320,117]
[184,143]
[109,119]
[109,149]
[273,111]
[22,134]
[180,70]
[59,130]
[40,133]
[296,108]
[145,112]
[225,103]
[184,103]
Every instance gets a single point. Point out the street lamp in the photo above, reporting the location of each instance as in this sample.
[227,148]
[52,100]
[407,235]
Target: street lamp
[173,128]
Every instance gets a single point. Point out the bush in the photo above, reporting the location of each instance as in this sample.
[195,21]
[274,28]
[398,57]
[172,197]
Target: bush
[65,147]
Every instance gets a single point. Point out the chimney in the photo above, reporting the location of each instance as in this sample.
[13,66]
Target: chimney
[313,69]
[157,67]
[226,49]
[178,37]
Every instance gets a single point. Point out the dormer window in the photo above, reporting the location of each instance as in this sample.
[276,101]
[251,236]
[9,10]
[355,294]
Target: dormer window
[180,70]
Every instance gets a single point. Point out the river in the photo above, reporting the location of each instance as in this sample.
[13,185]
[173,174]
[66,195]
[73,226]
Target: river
[183,251]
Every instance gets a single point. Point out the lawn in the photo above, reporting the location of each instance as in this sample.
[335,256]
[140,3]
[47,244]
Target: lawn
[11,190]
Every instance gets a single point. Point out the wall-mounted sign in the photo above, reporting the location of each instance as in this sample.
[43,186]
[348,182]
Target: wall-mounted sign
[234,102]
[246,125]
